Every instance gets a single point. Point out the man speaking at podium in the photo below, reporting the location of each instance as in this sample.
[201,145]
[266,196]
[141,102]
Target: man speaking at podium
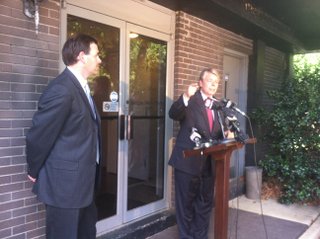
[194,179]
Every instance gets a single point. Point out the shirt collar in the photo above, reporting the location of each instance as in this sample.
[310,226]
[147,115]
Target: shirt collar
[79,77]
[204,97]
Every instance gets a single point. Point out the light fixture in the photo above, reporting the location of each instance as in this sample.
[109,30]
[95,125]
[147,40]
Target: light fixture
[31,10]
[133,35]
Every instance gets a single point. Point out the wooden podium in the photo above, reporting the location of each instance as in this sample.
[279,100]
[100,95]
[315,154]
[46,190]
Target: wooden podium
[221,153]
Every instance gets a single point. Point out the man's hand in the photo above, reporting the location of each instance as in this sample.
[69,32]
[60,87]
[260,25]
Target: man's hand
[229,135]
[191,90]
[32,179]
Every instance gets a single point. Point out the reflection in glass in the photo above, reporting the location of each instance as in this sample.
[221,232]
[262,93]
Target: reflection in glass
[147,106]
[101,87]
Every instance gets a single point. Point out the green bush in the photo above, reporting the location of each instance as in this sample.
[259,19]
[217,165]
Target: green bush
[292,129]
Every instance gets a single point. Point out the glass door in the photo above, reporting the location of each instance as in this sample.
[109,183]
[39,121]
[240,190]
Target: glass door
[130,95]
[146,103]
[105,89]
[145,108]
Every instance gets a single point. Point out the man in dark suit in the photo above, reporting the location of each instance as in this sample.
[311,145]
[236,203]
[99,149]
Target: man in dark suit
[63,145]
[194,182]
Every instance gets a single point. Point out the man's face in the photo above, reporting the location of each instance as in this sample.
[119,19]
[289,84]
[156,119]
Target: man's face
[92,61]
[209,84]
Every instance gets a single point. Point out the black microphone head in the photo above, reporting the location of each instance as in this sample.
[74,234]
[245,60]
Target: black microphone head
[217,105]
[224,100]
[228,103]
[232,105]
[228,112]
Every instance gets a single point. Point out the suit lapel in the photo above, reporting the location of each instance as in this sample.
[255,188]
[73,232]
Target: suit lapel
[203,110]
[81,92]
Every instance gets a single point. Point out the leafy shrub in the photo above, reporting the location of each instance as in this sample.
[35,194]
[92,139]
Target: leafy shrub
[292,130]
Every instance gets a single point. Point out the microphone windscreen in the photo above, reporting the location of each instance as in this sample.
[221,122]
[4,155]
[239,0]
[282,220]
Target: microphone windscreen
[217,105]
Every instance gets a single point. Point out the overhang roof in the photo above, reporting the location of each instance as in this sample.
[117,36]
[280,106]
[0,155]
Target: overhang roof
[289,25]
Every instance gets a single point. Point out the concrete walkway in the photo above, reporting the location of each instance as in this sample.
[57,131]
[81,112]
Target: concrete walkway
[307,218]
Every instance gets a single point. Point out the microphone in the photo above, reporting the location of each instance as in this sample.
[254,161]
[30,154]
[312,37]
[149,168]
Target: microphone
[195,137]
[217,105]
[231,105]
[233,122]
[199,142]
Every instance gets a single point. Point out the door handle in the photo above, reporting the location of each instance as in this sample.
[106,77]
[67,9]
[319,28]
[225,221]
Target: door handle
[122,127]
[130,127]
[126,127]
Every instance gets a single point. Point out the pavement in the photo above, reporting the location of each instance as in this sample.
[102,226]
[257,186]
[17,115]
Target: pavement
[304,219]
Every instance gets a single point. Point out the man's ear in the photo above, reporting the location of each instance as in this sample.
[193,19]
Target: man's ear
[82,57]
[200,83]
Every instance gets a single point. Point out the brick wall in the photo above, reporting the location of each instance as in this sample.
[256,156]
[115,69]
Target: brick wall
[27,62]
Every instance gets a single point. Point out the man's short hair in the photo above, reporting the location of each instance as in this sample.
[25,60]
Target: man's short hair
[208,70]
[74,45]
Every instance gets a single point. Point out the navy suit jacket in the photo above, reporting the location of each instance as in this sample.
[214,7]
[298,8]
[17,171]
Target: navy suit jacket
[62,145]
[192,116]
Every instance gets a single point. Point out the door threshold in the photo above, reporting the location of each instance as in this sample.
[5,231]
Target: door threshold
[143,228]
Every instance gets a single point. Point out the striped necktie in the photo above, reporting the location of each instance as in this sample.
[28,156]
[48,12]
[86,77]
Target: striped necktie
[87,91]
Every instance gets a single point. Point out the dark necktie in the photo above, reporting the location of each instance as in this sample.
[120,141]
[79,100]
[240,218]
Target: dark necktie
[208,104]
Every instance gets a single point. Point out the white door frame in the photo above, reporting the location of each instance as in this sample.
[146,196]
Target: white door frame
[85,11]
[144,210]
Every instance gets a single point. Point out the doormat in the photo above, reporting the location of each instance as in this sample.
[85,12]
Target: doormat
[248,225]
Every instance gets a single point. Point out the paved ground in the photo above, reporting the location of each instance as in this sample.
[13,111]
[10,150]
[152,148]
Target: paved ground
[281,221]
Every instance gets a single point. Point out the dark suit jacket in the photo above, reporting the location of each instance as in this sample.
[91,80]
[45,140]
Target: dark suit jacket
[62,145]
[194,115]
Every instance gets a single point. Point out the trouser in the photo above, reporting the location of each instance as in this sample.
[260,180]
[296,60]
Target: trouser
[194,198]
[71,223]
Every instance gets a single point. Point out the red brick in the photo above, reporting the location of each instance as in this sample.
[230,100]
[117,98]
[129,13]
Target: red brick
[24,227]
[22,194]
[12,222]
[31,201]
[11,205]
[5,233]
[5,160]
[11,187]
[11,170]
[36,233]
[11,151]
[21,177]
[5,197]
[20,236]
[39,216]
